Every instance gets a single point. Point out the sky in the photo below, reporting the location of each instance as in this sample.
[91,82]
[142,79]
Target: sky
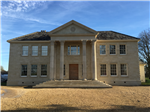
[24,17]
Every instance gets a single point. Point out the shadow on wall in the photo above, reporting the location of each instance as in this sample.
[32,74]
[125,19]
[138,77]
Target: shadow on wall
[65,108]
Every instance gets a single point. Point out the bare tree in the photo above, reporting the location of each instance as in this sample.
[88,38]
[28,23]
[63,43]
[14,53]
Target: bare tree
[144,49]
[2,69]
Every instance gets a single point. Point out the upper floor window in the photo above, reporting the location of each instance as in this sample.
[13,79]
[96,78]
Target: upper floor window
[103,69]
[112,49]
[34,50]
[122,49]
[123,69]
[33,70]
[102,49]
[113,69]
[24,50]
[24,70]
[74,50]
[44,50]
[43,70]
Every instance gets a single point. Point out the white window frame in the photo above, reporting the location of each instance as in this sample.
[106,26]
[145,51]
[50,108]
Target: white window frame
[100,69]
[100,49]
[21,70]
[31,70]
[76,49]
[115,49]
[41,70]
[125,49]
[35,50]
[116,70]
[126,70]
[45,50]
[25,50]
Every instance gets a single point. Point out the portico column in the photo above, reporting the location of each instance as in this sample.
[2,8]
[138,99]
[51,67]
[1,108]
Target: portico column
[61,59]
[52,61]
[84,58]
[93,61]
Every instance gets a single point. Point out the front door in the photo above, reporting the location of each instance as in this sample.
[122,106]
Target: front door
[73,71]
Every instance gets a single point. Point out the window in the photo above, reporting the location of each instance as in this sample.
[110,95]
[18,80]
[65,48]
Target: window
[24,70]
[64,69]
[74,50]
[44,50]
[33,70]
[123,69]
[102,49]
[103,69]
[82,69]
[43,70]
[122,49]
[34,50]
[24,50]
[113,69]
[112,49]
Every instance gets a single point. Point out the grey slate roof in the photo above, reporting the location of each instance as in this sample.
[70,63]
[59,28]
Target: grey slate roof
[111,35]
[102,35]
[33,36]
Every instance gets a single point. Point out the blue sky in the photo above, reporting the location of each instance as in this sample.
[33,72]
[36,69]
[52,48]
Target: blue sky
[23,17]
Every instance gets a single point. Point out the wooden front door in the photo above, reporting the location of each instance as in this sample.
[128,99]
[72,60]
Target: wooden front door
[73,71]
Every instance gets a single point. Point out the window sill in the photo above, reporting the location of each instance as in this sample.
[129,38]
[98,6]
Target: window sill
[123,54]
[23,76]
[43,76]
[124,75]
[24,56]
[33,76]
[35,56]
[113,75]
[103,75]
[102,54]
[44,55]
[112,54]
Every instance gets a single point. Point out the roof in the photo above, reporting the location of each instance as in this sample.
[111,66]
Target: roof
[112,35]
[140,62]
[33,36]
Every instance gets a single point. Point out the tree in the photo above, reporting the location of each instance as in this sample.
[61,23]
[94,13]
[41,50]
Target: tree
[144,49]
[2,69]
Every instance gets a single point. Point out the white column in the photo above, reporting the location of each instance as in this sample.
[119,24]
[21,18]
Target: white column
[61,59]
[84,58]
[52,61]
[93,61]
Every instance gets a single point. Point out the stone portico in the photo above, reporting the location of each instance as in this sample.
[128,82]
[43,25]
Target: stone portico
[74,53]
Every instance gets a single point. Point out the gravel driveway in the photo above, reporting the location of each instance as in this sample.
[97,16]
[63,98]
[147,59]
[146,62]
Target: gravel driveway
[116,99]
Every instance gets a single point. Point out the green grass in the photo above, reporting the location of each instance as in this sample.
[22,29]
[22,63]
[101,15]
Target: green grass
[146,83]
[3,83]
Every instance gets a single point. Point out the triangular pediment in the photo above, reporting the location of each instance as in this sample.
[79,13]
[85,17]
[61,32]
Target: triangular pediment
[71,28]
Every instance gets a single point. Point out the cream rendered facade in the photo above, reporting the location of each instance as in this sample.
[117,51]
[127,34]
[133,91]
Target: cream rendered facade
[88,61]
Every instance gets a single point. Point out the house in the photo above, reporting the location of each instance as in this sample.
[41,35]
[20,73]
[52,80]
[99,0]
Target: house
[74,52]
[142,71]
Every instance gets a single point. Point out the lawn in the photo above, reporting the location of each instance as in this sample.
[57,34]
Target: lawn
[146,83]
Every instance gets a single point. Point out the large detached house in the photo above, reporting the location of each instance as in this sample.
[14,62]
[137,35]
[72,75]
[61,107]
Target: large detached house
[74,55]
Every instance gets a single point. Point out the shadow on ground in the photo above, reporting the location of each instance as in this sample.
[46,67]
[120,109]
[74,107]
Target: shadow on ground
[65,108]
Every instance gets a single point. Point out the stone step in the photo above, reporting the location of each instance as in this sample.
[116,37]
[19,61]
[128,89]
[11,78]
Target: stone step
[73,83]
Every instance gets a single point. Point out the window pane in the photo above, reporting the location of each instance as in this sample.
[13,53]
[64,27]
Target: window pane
[43,69]
[24,50]
[103,69]
[102,49]
[78,50]
[34,50]
[113,69]
[24,70]
[73,50]
[112,49]
[122,49]
[33,69]
[68,50]
[123,69]
[34,47]
[44,48]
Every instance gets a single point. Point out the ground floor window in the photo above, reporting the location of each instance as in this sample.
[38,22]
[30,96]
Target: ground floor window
[64,69]
[43,70]
[24,70]
[33,70]
[103,69]
[123,69]
[113,69]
